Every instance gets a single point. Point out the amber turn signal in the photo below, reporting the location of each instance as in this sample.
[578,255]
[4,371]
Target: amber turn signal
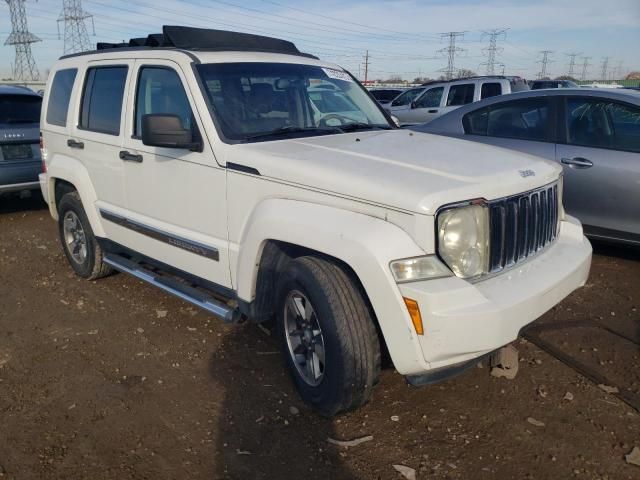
[414,313]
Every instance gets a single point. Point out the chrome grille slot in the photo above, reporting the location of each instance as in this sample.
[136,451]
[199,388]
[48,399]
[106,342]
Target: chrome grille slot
[521,226]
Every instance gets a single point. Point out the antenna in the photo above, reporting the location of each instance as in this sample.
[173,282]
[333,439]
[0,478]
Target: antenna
[493,49]
[451,51]
[76,38]
[24,66]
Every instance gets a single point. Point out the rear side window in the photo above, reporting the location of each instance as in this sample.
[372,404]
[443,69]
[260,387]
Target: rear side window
[59,96]
[460,94]
[522,119]
[102,99]
[490,90]
[19,109]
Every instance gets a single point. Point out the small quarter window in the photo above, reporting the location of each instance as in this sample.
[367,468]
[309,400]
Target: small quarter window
[59,96]
[102,99]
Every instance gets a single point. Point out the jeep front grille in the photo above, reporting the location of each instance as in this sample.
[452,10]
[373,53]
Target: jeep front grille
[521,226]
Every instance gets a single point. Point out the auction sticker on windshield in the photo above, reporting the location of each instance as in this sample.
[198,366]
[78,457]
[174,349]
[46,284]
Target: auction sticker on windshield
[337,74]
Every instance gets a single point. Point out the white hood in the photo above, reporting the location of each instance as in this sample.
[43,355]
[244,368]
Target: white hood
[406,170]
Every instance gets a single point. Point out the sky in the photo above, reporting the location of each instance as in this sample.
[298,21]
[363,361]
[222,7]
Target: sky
[403,37]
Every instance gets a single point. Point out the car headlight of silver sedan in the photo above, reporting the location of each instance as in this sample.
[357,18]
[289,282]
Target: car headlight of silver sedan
[463,239]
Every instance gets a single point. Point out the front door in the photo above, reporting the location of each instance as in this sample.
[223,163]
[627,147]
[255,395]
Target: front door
[601,162]
[424,109]
[176,198]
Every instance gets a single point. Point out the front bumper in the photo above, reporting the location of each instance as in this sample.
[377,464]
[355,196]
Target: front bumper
[463,321]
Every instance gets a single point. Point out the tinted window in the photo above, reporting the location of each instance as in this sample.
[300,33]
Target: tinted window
[102,99]
[160,91]
[17,109]
[490,90]
[407,97]
[522,119]
[59,96]
[460,94]
[431,98]
[385,95]
[603,124]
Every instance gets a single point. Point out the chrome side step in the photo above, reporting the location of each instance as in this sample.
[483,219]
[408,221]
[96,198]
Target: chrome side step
[174,287]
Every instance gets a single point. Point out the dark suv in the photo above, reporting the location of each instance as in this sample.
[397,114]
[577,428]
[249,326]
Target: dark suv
[20,161]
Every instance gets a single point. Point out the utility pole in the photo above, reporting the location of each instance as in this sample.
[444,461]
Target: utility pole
[603,68]
[76,38]
[585,66]
[572,62]
[493,49]
[451,51]
[366,67]
[24,66]
[545,61]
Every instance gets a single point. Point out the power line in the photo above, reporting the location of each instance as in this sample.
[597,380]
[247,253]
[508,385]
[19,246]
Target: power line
[24,66]
[603,68]
[493,49]
[572,62]
[76,38]
[451,51]
[585,66]
[544,61]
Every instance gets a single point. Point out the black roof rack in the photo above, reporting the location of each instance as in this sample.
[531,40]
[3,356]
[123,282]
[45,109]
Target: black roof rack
[203,39]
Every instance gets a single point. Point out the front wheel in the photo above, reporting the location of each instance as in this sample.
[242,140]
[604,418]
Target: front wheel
[328,335]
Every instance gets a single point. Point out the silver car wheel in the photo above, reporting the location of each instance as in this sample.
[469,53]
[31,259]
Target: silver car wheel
[74,237]
[304,338]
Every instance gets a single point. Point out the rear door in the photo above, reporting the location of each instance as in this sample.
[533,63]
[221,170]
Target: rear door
[97,134]
[600,155]
[459,94]
[424,109]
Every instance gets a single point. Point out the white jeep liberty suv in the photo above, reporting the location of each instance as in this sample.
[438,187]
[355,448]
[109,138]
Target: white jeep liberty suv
[261,183]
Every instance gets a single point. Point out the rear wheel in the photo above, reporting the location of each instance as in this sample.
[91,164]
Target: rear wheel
[78,241]
[328,335]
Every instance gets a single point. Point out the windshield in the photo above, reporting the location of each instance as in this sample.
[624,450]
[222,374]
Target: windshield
[16,109]
[267,101]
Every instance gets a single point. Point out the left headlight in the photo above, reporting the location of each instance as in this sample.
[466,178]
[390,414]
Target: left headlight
[463,239]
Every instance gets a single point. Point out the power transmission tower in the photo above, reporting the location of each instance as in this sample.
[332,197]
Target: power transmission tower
[366,66]
[572,62]
[585,66]
[24,66]
[76,38]
[545,61]
[493,49]
[603,68]
[451,52]
[619,71]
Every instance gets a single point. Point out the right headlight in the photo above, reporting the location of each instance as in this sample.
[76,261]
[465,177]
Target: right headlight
[463,239]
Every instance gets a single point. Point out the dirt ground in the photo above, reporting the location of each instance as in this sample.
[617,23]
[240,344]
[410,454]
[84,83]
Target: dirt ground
[116,380]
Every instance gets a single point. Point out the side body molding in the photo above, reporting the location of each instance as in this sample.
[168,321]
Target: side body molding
[367,244]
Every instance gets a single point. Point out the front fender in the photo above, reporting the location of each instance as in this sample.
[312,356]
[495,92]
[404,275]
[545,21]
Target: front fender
[365,243]
[73,171]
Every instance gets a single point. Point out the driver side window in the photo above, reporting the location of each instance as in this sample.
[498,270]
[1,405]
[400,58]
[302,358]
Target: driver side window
[160,90]
[431,98]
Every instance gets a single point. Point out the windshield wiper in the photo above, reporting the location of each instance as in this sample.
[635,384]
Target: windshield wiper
[353,127]
[288,130]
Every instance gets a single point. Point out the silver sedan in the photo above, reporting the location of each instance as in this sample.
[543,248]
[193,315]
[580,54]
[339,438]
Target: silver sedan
[594,134]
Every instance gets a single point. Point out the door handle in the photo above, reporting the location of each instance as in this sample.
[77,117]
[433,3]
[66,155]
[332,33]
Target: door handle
[75,144]
[577,162]
[130,157]
[432,111]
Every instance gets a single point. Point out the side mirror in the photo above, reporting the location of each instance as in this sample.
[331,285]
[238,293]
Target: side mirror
[414,105]
[165,130]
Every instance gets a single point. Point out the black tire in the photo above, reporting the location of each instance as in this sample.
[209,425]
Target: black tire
[351,343]
[93,266]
